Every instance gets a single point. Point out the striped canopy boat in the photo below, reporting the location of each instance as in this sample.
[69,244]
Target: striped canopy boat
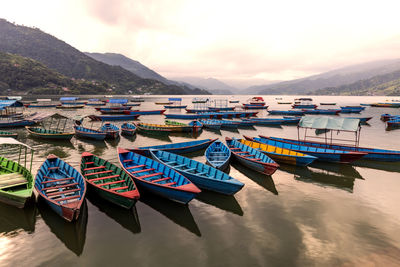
[251,157]
[323,154]
[218,155]
[109,181]
[182,147]
[128,129]
[111,130]
[62,186]
[157,178]
[84,132]
[279,154]
[202,175]
[48,133]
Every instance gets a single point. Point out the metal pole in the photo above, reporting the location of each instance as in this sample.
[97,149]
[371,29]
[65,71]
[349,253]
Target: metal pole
[25,157]
[19,156]
[58,124]
[30,168]
[65,124]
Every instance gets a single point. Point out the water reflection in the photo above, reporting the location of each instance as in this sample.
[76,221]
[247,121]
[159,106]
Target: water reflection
[223,202]
[126,218]
[98,146]
[13,219]
[178,213]
[262,180]
[346,170]
[114,142]
[379,165]
[154,136]
[72,234]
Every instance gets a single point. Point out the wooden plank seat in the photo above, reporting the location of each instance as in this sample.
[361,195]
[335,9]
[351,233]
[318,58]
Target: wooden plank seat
[53,168]
[178,166]
[242,152]
[119,188]
[67,198]
[95,173]
[63,192]
[144,170]
[161,179]
[235,148]
[171,162]
[150,175]
[127,160]
[57,180]
[94,168]
[201,173]
[110,183]
[189,170]
[134,167]
[59,186]
[12,180]
[104,178]
[89,162]
[168,184]
[257,159]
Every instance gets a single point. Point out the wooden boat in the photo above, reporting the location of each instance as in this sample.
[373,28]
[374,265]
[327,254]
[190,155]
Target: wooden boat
[286,112]
[41,105]
[327,103]
[157,178]
[111,130]
[137,99]
[16,181]
[373,153]
[257,100]
[163,103]
[222,123]
[221,108]
[197,110]
[323,154]
[109,181]
[393,123]
[95,102]
[176,123]
[211,124]
[131,105]
[182,147]
[152,128]
[365,105]
[128,129]
[387,117]
[251,157]
[199,100]
[144,112]
[8,134]
[113,108]
[84,132]
[202,175]
[279,154]
[175,107]
[233,101]
[196,125]
[253,106]
[213,115]
[11,123]
[322,111]
[386,105]
[62,186]
[284,103]
[48,133]
[304,106]
[270,121]
[218,155]
[352,109]
[70,106]
[117,117]
[362,119]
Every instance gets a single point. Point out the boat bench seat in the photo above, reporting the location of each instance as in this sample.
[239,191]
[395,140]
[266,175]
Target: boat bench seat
[218,161]
[59,186]
[11,180]
[161,179]
[127,160]
[53,168]
[181,165]
[95,173]
[150,175]
[201,173]
[110,183]
[104,178]
[119,188]
[89,162]
[144,170]
[189,170]
[53,180]
[257,159]
[94,168]
[67,198]
[242,152]
[171,162]
[168,184]
[62,192]
[134,167]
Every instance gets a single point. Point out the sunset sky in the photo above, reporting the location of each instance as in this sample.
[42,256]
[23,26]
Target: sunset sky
[228,40]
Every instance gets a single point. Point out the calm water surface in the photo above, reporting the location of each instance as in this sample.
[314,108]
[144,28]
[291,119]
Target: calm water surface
[323,215]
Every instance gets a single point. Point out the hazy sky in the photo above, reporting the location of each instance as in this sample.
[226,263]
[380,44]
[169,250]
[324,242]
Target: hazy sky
[273,40]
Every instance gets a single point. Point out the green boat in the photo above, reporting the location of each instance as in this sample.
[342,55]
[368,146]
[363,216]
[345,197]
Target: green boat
[8,134]
[169,122]
[16,181]
[49,134]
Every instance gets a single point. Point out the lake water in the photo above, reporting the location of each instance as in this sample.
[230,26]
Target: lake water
[323,215]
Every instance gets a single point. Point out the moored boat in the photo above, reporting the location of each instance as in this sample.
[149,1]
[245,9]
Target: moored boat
[70,106]
[182,147]
[251,157]
[84,132]
[111,130]
[327,103]
[218,155]
[49,133]
[128,129]
[109,181]
[322,111]
[62,186]
[144,112]
[117,117]
[153,128]
[393,123]
[286,112]
[157,178]
[254,106]
[8,134]
[202,175]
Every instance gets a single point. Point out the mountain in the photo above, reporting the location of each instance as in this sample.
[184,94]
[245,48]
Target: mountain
[386,84]
[25,75]
[332,78]
[60,56]
[211,84]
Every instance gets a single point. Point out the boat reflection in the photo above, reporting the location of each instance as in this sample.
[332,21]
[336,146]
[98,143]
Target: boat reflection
[72,234]
[262,180]
[113,142]
[128,219]
[13,219]
[98,147]
[158,137]
[223,202]
[176,212]
[346,170]
[379,165]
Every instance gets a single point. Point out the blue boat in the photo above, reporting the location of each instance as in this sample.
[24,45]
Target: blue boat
[351,109]
[131,104]
[286,112]
[218,155]
[304,106]
[251,157]
[11,123]
[84,132]
[387,117]
[270,121]
[362,119]
[62,186]
[144,112]
[373,153]
[202,175]
[251,106]
[211,115]
[227,124]
[183,147]
[323,154]
[211,124]
[175,107]
[157,178]
[117,117]
[322,111]
[111,130]
[221,108]
[393,123]
[128,129]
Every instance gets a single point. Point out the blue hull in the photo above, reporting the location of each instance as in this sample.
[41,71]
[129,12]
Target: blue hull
[218,155]
[184,147]
[286,112]
[113,117]
[89,134]
[6,124]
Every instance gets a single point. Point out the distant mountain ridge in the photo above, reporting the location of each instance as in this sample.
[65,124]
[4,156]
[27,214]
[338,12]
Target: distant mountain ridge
[214,85]
[60,56]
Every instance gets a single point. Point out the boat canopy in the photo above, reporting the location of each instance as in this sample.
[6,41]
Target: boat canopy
[329,123]
[69,98]
[10,103]
[259,98]
[174,99]
[12,141]
[118,101]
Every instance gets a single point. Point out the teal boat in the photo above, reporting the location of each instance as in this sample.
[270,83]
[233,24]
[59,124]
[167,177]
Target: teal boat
[8,134]
[49,134]
[218,155]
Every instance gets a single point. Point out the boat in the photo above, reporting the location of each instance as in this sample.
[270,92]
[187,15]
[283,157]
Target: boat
[144,112]
[218,155]
[42,104]
[176,103]
[279,154]
[43,133]
[84,132]
[323,154]
[71,101]
[16,181]
[220,108]
[251,157]
[164,103]
[128,129]
[113,110]
[365,105]
[157,178]
[131,105]
[322,111]
[111,130]
[286,112]
[211,124]
[175,106]
[352,109]
[222,123]
[118,117]
[362,119]
[233,101]
[202,175]
[386,105]
[182,147]
[213,115]
[162,128]
[197,100]
[257,100]
[284,103]
[270,121]
[372,153]
[95,102]
[197,110]
[393,123]
[387,117]
[62,186]
[304,106]
[196,125]
[327,103]
[254,106]
[70,106]
[8,134]
[109,181]
[137,99]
